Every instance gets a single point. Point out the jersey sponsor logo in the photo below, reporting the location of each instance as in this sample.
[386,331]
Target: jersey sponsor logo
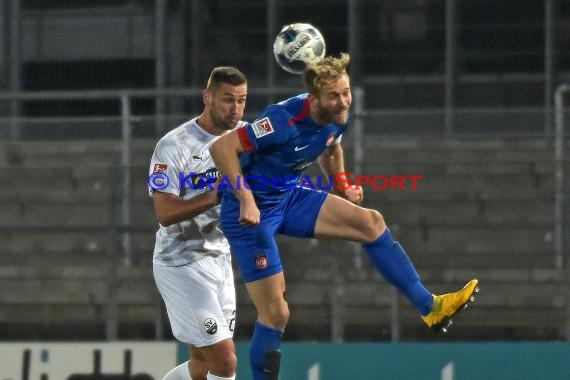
[210,326]
[198,181]
[262,127]
[330,140]
[298,148]
[261,261]
[159,168]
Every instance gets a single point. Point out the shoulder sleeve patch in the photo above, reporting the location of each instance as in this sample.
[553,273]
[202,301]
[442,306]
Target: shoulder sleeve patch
[160,168]
[262,127]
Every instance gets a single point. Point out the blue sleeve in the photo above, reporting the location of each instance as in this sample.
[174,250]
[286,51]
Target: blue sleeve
[271,128]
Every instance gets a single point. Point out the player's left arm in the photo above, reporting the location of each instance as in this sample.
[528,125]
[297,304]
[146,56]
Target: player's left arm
[331,162]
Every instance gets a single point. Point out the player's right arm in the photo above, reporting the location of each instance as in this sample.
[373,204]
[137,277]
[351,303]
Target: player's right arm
[170,209]
[225,152]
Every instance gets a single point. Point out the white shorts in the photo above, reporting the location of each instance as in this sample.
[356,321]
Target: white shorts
[200,299]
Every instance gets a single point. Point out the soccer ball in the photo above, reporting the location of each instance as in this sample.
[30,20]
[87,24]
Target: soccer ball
[296,45]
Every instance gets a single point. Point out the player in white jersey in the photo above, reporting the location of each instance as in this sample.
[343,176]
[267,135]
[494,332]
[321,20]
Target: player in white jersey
[192,263]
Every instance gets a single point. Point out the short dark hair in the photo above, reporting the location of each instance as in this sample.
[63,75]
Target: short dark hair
[225,74]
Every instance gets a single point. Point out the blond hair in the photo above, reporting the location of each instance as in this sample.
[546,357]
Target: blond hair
[322,72]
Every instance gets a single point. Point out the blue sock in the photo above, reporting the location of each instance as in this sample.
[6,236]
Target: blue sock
[390,259]
[263,352]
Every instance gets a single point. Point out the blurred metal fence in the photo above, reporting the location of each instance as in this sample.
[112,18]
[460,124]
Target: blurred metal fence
[562,262]
[448,39]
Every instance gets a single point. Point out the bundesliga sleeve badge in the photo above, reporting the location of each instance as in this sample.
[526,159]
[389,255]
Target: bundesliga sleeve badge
[262,127]
[160,168]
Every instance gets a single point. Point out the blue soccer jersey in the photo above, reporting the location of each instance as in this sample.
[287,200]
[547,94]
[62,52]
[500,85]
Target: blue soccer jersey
[278,145]
[281,143]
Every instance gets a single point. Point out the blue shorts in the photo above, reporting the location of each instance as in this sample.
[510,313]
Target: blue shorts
[255,248]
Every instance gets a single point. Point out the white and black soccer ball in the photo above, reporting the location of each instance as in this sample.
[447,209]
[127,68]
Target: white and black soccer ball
[296,45]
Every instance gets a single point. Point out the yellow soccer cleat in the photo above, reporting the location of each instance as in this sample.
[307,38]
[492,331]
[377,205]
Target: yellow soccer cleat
[447,305]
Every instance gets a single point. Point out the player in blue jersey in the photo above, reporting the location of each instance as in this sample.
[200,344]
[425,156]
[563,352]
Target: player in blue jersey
[262,162]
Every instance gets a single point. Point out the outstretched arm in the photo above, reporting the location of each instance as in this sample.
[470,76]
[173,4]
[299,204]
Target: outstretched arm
[225,152]
[331,162]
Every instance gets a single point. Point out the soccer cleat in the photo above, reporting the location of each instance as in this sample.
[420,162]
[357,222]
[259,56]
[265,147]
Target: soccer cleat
[447,305]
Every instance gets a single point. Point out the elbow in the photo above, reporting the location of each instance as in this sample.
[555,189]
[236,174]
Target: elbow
[216,148]
[165,220]
[227,146]
[165,208]
[165,217]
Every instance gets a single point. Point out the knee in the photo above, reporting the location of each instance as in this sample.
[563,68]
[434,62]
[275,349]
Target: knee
[226,364]
[375,226]
[276,315]
[280,314]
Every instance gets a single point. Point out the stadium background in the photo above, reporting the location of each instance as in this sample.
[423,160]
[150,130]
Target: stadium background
[461,92]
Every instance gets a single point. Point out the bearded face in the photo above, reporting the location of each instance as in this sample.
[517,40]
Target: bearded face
[333,103]
[225,105]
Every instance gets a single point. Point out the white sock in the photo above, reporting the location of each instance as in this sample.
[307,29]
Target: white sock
[182,372]
[214,377]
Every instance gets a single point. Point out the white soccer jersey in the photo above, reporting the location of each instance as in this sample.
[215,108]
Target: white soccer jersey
[180,160]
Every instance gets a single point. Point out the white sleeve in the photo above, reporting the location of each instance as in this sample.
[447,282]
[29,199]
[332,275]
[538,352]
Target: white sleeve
[165,166]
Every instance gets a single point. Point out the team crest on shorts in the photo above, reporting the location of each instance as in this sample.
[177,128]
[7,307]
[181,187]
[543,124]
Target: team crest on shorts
[261,261]
[210,326]
[330,140]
